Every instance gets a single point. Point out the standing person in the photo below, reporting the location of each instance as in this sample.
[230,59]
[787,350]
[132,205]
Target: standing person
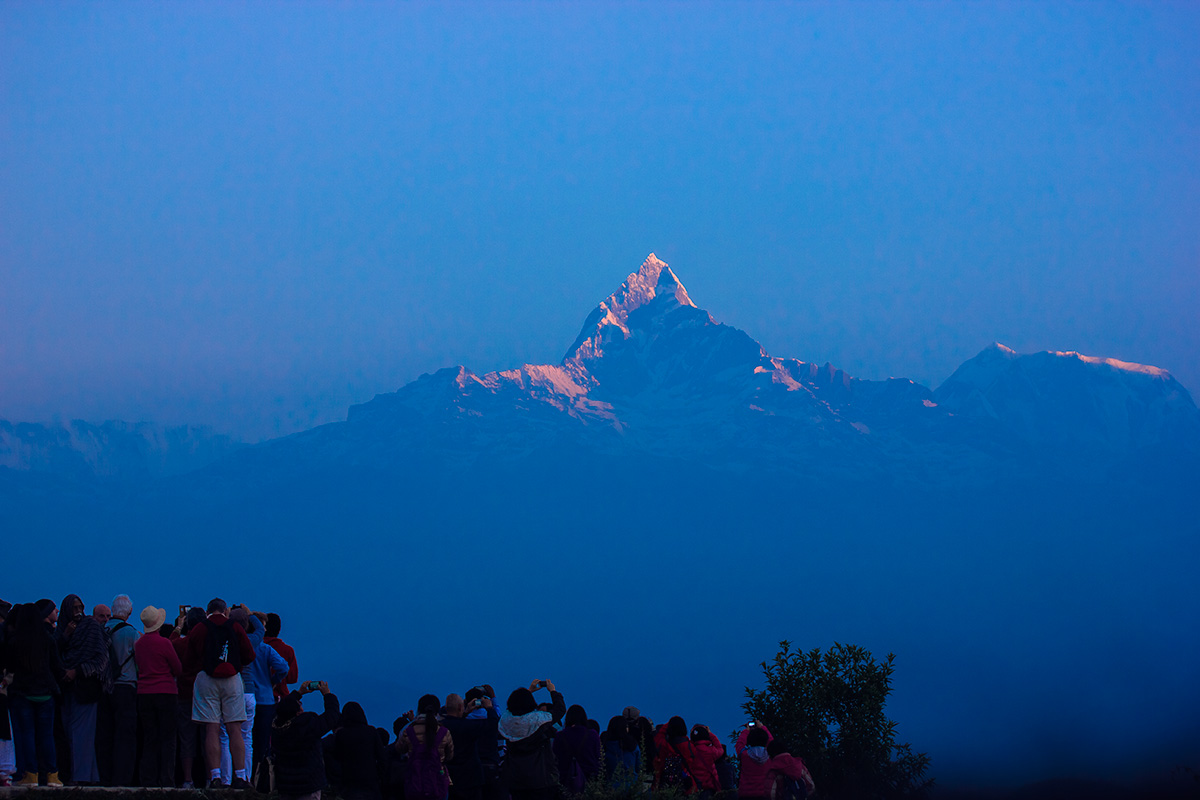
[296,741]
[274,623]
[529,767]
[266,670]
[8,750]
[217,649]
[490,748]
[621,755]
[85,661]
[577,749]
[709,750]
[360,753]
[189,618]
[116,740]
[37,673]
[675,759]
[240,615]
[751,747]
[429,746]
[467,777]
[159,669]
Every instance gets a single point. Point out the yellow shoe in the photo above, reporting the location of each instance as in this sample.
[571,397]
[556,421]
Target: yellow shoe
[52,780]
[30,779]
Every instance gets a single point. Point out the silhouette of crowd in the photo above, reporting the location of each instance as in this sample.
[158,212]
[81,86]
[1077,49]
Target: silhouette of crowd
[92,700]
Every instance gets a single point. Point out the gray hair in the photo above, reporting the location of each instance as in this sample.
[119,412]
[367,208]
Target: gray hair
[122,606]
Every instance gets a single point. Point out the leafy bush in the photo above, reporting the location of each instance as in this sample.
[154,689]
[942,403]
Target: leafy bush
[828,707]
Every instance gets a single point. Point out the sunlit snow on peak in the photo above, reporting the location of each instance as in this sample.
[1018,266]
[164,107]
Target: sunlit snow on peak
[1124,366]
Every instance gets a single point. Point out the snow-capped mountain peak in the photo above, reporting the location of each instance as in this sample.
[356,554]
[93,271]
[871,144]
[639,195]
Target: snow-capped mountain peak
[653,285]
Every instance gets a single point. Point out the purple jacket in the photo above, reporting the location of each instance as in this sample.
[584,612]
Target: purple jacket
[580,745]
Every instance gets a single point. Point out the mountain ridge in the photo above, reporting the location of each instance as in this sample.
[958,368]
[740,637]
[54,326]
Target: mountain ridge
[652,372]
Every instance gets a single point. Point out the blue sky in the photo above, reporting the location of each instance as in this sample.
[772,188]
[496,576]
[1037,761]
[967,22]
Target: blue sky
[253,216]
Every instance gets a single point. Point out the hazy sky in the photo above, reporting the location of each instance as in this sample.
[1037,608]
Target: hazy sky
[253,216]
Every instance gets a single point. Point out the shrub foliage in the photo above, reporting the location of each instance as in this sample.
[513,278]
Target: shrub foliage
[828,707]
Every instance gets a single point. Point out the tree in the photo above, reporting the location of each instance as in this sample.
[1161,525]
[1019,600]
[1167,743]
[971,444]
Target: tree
[828,707]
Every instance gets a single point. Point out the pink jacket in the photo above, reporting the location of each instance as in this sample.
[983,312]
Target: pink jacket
[705,767]
[791,766]
[753,766]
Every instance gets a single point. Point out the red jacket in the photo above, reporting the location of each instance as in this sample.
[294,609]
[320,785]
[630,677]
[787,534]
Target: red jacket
[289,655]
[157,665]
[193,657]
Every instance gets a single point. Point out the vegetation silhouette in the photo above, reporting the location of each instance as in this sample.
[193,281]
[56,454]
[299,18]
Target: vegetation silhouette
[829,708]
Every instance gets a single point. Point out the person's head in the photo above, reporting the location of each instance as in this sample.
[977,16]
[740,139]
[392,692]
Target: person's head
[102,614]
[454,706]
[241,617]
[594,725]
[217,606]
[676,727]
[429,704]
[353,714]
[195,615]
[700,733]
[617,729]
[45,610]
[122,607]
[398,725]
[287,709]
[17,615]
[575,716]
[383,736]
[631,712]
[757,737]
[521,702]
[775,747]
[71,609]
[153,618]
[273,625]
[473,694]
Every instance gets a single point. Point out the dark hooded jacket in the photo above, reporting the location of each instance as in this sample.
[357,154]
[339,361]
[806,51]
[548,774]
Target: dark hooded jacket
[33,655]
[466,767]
[84,651]
[299,766]
[360,753]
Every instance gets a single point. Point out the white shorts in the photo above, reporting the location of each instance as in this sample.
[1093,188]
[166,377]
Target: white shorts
[217,700]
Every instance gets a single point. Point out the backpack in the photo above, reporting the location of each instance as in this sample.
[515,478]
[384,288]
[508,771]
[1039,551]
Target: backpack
[425,778]
[575,779]
[220,648]
[675,773]
[788,788]
[115,668]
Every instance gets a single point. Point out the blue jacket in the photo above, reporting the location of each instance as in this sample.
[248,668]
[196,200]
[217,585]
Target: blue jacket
[260,675]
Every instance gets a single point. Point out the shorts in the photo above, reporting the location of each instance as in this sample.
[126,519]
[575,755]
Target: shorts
[217,700]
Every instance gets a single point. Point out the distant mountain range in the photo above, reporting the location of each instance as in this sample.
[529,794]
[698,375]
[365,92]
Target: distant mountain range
[651,373]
